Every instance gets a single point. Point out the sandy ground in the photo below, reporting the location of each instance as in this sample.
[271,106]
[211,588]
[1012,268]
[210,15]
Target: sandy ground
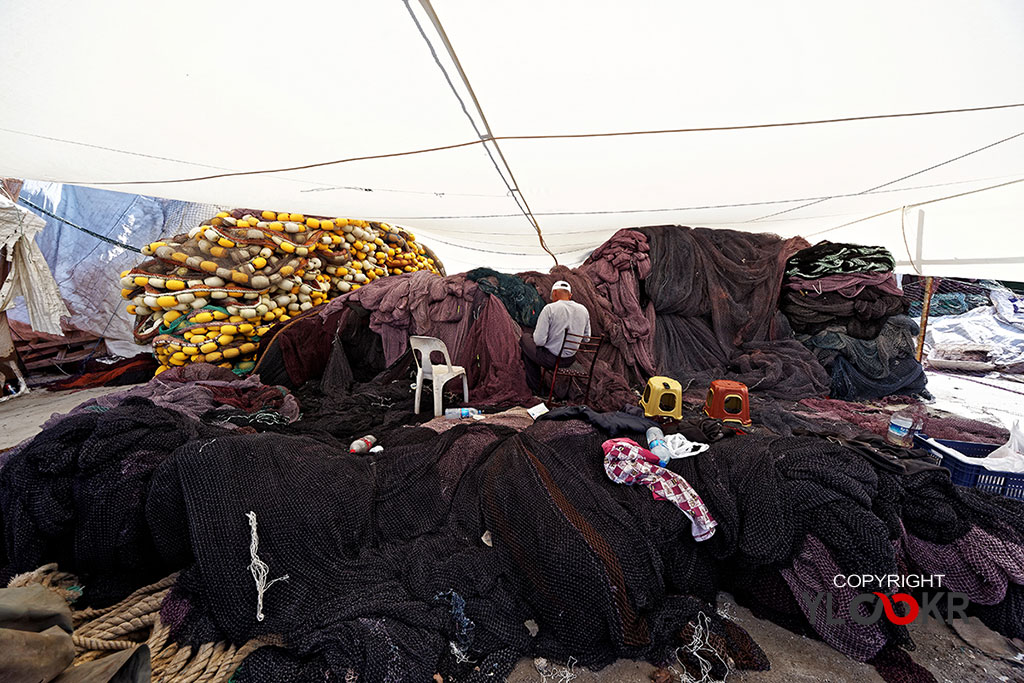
[989,399]
[796,659]
[22,417]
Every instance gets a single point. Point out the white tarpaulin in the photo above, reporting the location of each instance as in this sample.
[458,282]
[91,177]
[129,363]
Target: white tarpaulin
[108,93]
[28,277]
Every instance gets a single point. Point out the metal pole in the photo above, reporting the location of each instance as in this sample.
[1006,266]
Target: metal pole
[929,287]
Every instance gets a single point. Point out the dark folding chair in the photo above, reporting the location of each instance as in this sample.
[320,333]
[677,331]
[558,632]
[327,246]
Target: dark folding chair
[586,347]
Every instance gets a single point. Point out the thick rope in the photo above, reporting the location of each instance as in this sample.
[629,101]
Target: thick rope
[136,620]
[62,583]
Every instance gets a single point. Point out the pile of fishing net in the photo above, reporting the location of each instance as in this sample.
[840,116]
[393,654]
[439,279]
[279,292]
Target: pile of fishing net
[457,553]
[694,304]
[843,302]
[715,296]
[212,294]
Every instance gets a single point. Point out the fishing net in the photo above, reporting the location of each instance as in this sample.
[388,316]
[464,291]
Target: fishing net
[715,294]
[617,269]
[434,555]
[870,357]
[849,285]
[862,317]
[522,301]
[826,415]
[834,258]
[76,495]
[904,376]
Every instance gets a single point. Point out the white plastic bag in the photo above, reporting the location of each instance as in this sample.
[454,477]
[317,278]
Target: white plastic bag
[1010,456]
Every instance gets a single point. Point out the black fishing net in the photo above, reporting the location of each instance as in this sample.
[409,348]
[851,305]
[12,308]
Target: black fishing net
[836,258]
[715,293]
[862,317]
[398,591]
[522,301]
[905,376]
[870,357]
[76,495]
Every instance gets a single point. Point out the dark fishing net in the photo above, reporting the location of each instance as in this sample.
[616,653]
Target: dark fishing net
[617,268]
[76,494]
[715,293]
[870,357]
[905,376]
[522,301]
[835,258]
[862,317]
[389,590]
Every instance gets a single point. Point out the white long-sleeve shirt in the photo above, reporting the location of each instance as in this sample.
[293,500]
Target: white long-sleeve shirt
[555,319]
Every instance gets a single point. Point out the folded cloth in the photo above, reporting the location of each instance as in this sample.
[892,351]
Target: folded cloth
[626,462]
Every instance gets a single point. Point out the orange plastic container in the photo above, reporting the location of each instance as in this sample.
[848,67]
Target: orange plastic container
[728,402]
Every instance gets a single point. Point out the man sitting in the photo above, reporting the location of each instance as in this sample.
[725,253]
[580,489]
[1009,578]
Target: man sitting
[541,349]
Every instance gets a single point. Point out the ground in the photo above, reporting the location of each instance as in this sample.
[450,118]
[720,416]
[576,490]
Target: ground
[22,417]
[794,659]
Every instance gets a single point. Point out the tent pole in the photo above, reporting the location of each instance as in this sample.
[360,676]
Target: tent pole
[929,288]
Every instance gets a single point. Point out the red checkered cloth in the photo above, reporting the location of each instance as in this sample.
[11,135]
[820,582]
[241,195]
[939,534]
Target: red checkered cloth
[626,462]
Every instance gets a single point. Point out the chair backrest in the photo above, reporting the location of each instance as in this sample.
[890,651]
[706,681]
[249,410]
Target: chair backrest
[423,348]
[584,345]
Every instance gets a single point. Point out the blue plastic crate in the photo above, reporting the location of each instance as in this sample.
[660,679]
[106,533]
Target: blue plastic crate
[1009,484]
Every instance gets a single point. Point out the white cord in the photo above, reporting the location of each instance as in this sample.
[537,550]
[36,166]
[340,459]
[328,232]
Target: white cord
[701,631]
[259,568]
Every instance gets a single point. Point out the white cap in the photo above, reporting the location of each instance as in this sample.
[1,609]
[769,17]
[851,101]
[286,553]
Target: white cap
[562,284]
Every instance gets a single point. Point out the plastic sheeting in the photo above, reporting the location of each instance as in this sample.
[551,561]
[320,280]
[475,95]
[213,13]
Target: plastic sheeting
[541,68]
[1004,342]
[85,267]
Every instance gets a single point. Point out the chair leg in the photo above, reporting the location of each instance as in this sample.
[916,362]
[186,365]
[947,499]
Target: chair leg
[465,389]
[438,398]
[419,392]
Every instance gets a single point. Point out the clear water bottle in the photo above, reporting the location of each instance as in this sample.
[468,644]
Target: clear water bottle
[363,445]
[460,413]
[656,444]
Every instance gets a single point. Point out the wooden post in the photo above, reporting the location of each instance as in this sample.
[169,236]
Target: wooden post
[929,287]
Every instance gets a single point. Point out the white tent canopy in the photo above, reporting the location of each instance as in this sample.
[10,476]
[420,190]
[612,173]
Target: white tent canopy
[114,93]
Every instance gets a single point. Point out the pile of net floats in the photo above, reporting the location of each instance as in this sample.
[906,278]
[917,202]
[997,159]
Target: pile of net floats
[210,295]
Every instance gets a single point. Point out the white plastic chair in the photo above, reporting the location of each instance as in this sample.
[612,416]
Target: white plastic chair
[422,349]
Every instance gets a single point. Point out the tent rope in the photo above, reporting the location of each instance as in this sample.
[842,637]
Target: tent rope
[513,186]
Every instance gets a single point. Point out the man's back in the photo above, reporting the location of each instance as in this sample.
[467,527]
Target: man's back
[555,319]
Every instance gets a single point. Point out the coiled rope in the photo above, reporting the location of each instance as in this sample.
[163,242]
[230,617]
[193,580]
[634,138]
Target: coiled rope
[135,621]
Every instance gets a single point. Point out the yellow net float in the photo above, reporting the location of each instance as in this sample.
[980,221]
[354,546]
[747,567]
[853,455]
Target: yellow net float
[236,275]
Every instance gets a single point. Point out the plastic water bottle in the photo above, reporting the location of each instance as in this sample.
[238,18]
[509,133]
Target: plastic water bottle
[656,444]
[460,413]
[363,445]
